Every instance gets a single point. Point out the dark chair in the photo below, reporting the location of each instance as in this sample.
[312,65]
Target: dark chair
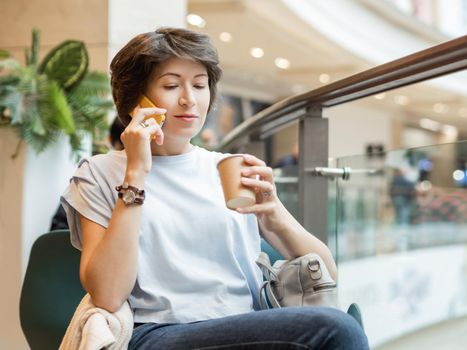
[51,290]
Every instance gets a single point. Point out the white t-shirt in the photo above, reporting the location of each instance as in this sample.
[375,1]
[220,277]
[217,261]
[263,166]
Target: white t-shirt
[196,256]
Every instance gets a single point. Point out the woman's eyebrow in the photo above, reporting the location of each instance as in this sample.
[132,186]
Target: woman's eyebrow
[179,76]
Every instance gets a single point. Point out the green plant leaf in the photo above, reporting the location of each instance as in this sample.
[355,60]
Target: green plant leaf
[35,46]
[94,83]
[8,81]
[60,96]
[66,63]
[10,65]
[27,56]
[91,102]
[63,114]
[37,125]
[4,54]
[10,105]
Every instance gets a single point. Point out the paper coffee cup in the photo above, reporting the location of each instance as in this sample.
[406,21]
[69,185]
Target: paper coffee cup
[236,194]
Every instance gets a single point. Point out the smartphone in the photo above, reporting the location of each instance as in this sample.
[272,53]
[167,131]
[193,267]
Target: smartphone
[145,102]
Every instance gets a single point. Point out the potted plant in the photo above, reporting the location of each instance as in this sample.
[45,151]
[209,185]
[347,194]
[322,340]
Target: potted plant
[56,96]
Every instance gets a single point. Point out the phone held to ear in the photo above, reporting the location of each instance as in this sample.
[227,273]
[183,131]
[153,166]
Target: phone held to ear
[145,102]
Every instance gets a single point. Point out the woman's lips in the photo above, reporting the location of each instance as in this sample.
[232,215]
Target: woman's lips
[187,117]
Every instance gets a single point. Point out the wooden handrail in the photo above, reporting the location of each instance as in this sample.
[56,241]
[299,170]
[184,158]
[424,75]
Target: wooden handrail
[436,61]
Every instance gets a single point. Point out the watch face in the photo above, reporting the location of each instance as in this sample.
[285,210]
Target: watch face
[128,197]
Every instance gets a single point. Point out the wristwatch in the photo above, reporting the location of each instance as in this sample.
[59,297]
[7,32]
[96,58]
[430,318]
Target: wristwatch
[130,194]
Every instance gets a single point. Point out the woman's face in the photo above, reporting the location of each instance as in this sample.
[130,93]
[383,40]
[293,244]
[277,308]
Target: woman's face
[180,86]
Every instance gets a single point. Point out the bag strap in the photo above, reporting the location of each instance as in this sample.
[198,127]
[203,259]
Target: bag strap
[270,275]
[264,291]
[262,297]
[265,265]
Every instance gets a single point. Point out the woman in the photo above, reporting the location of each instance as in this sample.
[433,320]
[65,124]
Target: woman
[185,262]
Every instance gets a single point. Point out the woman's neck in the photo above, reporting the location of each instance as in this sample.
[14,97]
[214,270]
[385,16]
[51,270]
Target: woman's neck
[171,148]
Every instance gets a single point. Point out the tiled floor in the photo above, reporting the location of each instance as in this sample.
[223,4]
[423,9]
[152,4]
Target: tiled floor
[450,335]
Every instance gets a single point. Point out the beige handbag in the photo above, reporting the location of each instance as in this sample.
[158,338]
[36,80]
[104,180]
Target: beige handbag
[304,281]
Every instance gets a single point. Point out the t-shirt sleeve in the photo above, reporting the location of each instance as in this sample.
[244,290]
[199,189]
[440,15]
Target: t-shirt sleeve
[86,195]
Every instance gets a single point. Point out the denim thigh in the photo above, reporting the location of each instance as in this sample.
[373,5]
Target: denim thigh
[286,328]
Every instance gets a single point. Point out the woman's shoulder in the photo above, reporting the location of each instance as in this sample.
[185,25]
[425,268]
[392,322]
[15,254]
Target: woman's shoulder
[102,164]
[212,154]
[110,158]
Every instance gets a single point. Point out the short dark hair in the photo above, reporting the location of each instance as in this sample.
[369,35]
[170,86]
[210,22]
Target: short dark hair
[132,66]
[116,129]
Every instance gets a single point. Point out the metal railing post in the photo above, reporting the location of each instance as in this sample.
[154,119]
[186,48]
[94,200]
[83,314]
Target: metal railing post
[254,146]
[313,190]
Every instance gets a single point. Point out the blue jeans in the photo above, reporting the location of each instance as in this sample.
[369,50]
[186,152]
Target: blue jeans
[285,329]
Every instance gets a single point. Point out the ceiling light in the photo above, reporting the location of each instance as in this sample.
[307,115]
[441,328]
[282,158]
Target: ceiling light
[257,52]
[226,37]
[440,108]
[324,78]
[196,20]
[429,124]
[449,130]
[380,96]
[282,63]
[401,100]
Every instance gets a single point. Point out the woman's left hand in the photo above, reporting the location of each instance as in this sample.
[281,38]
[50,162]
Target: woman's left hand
[260,178]
[278,226]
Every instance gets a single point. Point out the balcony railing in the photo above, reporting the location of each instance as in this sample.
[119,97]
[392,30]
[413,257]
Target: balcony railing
[307,108]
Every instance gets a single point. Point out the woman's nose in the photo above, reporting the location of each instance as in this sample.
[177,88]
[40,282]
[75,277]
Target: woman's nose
[187,98]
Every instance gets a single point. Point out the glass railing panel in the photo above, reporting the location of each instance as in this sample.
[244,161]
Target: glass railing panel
[333,201]
[286,180]
[402,238]
[287,184]
[282,156]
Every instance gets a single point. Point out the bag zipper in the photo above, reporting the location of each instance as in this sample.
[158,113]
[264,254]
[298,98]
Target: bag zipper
[325,286]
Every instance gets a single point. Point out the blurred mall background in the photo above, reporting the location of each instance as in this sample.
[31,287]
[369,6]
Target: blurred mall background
[399,226]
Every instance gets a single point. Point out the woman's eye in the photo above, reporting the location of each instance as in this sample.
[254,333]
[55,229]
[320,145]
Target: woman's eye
[199,86]
[170,87]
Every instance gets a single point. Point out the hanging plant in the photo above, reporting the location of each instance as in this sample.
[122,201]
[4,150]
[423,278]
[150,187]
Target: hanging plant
[42,101]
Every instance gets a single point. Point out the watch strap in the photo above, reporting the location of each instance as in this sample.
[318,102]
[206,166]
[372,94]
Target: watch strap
[138,200]
[139,197]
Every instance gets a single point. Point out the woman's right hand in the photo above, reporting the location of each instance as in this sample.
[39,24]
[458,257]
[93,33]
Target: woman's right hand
[137,138]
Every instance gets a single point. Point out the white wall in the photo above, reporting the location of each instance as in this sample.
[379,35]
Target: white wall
[30,186]
[46,176]
[129,18]
[11,190]
[352,127]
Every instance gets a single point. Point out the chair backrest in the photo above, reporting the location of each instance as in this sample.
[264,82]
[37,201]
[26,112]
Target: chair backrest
[51,290]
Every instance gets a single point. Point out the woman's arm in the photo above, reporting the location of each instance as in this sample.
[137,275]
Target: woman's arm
[278,226]
[109,257]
